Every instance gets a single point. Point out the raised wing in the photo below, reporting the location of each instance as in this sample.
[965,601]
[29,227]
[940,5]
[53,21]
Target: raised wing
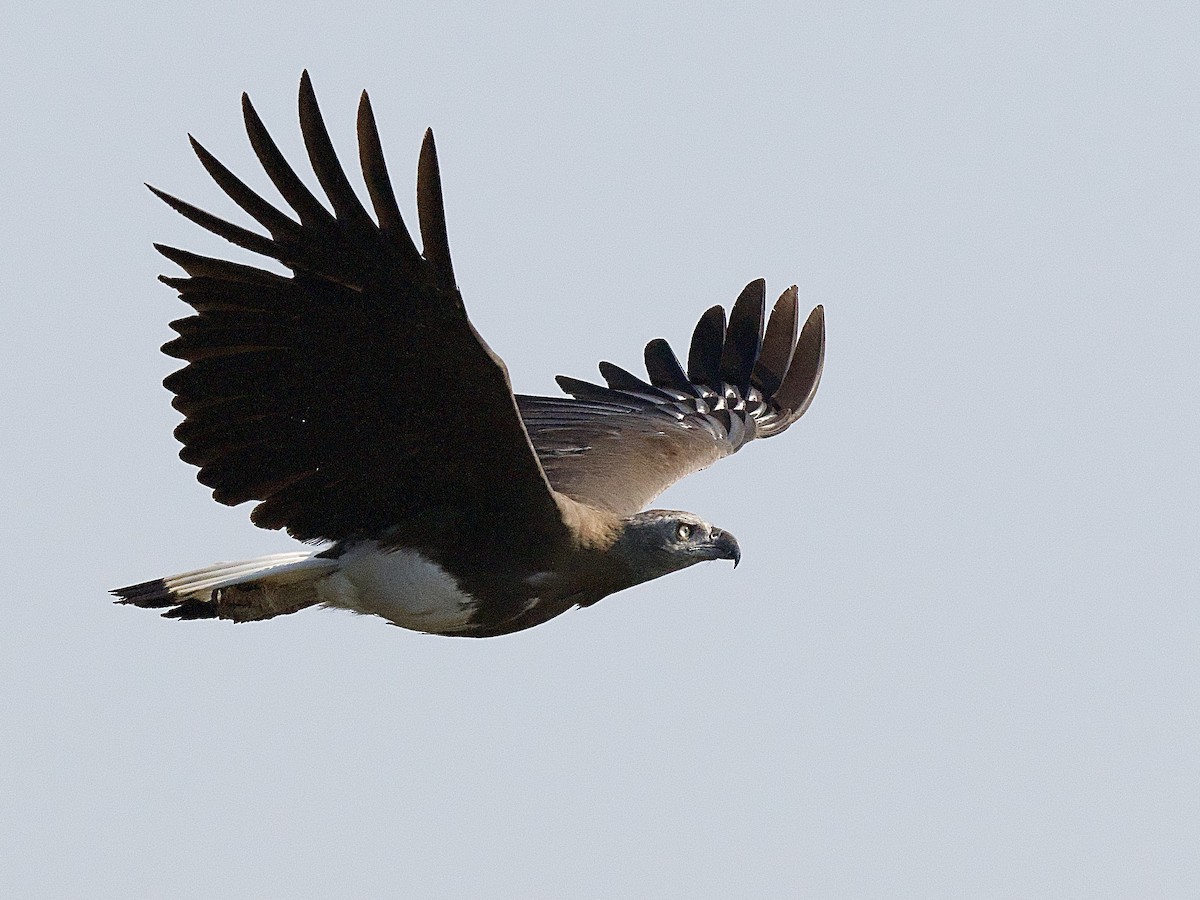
[618,447]
[320,394]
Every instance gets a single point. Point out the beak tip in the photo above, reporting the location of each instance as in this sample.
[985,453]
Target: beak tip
[729,548]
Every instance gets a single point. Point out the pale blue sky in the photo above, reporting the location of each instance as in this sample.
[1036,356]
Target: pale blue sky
[960,655]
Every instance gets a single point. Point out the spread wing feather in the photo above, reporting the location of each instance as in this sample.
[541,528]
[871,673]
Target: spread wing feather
[617,446]
[302,392]
[743,339]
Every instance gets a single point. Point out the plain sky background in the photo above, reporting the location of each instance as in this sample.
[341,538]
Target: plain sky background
[960,657]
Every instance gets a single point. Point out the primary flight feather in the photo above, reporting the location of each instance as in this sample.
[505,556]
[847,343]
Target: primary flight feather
[304,393]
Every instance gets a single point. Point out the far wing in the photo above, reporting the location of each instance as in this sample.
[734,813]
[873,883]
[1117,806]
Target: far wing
[322,394]
[619,446]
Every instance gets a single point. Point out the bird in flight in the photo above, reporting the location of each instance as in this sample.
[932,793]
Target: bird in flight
[355,402]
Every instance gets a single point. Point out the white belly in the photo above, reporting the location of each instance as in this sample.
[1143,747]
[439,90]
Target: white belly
[402,586]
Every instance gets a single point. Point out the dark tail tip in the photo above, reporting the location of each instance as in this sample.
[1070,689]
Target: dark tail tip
[148,595]
[156,595]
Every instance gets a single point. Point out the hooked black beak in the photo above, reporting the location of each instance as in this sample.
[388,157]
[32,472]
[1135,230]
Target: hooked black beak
[726,546]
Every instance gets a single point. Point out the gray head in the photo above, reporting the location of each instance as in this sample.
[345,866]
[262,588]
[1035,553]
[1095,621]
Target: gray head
[660,541]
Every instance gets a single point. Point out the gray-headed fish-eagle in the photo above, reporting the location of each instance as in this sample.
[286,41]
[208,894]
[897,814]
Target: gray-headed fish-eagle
[307,393]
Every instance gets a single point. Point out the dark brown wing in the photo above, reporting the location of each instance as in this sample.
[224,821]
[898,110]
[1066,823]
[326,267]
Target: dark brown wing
[618,447]
[319,394]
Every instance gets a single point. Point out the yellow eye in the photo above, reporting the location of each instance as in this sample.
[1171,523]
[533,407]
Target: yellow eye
[684,532]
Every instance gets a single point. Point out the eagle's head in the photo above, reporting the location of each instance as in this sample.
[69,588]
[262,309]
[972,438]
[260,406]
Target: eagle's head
[660,541]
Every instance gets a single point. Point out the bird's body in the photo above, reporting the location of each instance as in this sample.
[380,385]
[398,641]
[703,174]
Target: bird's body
[412,590]
[511,510]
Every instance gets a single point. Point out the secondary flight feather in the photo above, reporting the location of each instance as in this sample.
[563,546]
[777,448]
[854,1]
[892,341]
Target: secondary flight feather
[303,393]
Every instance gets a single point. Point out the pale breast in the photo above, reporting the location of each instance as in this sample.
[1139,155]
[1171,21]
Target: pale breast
[400,585]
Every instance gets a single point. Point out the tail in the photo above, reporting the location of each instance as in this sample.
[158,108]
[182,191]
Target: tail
[244,591]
